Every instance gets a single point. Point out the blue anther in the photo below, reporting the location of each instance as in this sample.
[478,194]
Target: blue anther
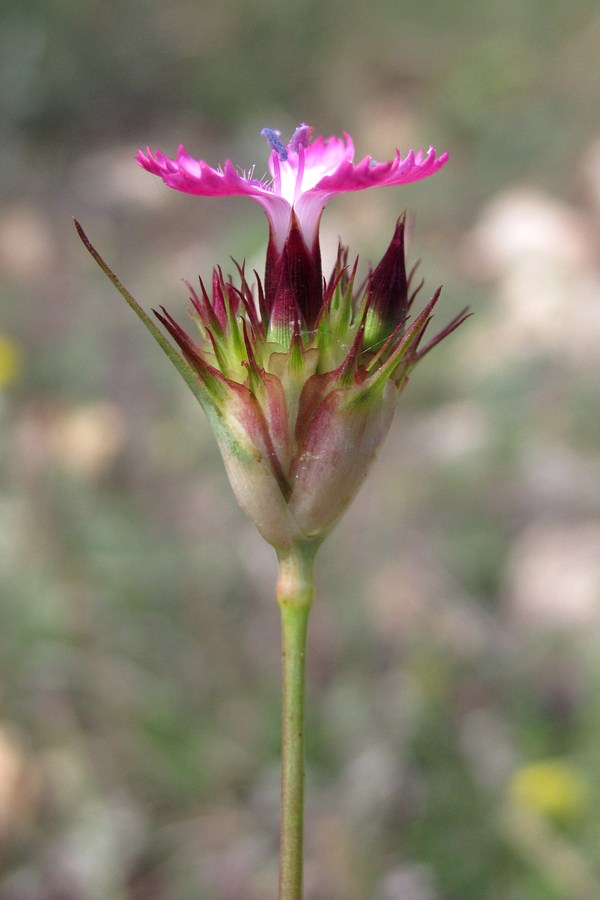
[273,138]
[301,137]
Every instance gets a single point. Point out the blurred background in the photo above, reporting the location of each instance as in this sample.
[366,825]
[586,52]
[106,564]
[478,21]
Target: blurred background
[454,702]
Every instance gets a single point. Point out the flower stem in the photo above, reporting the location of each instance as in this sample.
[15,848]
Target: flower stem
[295,593]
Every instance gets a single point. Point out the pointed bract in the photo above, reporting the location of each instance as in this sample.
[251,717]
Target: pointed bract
[337,450]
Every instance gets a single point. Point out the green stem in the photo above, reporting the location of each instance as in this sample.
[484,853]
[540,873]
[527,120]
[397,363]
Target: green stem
[295,594]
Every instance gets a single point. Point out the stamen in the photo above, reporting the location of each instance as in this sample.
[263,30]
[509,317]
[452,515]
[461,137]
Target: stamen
[277,174]
[301,137]
[273,137]
[299,173]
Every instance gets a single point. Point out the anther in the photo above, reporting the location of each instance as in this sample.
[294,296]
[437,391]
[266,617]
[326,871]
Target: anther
[273,137]
[301,137]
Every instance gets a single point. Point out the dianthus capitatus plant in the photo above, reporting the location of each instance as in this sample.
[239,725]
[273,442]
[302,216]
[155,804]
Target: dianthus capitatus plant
[299,375]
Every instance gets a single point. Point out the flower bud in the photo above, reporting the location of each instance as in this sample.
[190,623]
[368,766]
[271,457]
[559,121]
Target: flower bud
[387,291]
[293,288]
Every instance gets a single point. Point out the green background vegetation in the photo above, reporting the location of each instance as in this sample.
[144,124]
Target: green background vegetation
[454,712]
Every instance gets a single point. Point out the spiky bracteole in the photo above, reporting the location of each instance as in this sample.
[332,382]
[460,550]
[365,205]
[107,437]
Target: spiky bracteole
[238,344]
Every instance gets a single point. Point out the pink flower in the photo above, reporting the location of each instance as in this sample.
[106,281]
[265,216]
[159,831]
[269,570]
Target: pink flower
[304,177]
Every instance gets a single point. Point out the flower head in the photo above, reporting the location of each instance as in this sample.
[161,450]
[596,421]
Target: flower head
[299,377]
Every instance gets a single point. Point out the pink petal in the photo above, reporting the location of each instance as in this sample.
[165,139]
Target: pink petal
[366,173]
[347,177]
[195,176]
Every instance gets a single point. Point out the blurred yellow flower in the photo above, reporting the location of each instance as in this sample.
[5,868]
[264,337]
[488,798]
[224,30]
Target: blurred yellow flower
[552,788]
[10,361]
